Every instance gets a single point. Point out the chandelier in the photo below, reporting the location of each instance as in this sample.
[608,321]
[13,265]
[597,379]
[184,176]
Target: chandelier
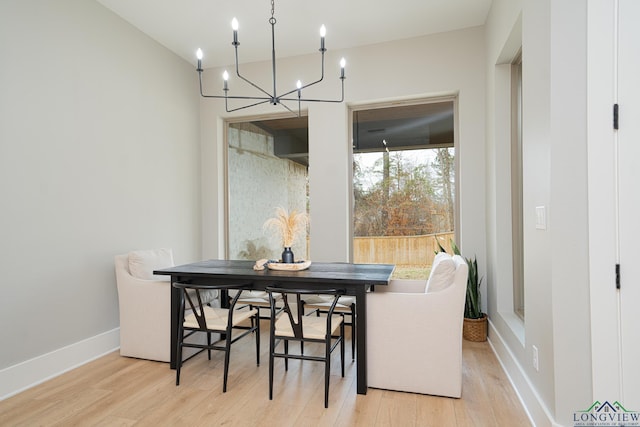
[294,95]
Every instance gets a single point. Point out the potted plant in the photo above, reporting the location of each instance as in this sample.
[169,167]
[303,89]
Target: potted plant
[475,321]
[289,227]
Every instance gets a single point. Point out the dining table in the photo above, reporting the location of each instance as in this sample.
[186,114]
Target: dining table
[356,280]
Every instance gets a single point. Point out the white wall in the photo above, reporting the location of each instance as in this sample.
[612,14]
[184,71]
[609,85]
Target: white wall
[569,199]
[99,155]
[557,318]
[448,63]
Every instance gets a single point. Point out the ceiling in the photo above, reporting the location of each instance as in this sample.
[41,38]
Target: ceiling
[184,25]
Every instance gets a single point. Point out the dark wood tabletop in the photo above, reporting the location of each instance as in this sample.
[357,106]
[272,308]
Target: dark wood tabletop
[336,273]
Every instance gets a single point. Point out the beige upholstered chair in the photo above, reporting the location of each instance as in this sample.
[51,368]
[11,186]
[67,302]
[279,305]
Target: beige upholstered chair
[145,304]
[414,331]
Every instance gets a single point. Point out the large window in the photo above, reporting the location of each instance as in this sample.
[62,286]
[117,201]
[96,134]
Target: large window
[403,185]
[267,167]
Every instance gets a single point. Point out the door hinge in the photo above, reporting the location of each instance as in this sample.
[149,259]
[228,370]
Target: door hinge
[615,116]
[617,276]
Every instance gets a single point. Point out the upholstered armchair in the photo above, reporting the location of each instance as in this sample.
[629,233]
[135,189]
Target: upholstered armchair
[145,304]
[414,331]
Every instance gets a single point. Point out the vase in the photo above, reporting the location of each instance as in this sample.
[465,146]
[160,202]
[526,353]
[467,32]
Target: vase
[287,255]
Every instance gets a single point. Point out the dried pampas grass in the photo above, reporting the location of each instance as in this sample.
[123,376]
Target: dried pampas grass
[287,226]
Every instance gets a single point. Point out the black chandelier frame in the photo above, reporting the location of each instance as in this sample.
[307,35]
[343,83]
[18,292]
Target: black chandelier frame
[272,98]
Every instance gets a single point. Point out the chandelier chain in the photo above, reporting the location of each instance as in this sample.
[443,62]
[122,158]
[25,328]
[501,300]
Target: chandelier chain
[273,7]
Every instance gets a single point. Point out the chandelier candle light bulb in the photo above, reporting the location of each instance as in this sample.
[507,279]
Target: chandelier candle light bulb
[234,27]
[199,56]
[323,32]
[225,78]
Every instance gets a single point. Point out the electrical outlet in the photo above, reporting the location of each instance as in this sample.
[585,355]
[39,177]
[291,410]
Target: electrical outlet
[535,358]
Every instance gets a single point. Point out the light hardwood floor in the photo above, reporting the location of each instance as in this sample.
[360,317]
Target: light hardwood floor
[120,391]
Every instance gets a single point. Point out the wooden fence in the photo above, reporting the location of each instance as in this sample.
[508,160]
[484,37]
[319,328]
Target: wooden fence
[400,250]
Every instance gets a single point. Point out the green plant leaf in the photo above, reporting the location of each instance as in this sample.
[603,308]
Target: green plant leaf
[473,309]
[455,248]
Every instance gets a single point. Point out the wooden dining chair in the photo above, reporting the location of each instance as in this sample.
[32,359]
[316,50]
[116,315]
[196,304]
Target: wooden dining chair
[293,325]
[210,320]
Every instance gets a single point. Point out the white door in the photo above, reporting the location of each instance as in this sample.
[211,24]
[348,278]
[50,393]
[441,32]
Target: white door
[629,197]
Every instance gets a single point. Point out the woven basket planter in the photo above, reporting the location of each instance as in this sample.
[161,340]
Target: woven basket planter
[475,329]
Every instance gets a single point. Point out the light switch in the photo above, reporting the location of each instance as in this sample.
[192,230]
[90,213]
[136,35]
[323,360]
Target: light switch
[541,218]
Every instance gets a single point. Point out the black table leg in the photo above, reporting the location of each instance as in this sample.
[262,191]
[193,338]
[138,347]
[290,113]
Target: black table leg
[361,339]
[175,310]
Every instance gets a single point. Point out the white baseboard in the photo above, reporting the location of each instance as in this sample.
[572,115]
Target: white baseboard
[29,373]
[537,411]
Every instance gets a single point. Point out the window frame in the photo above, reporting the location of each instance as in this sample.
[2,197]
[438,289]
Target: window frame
[517,211]
[403,103]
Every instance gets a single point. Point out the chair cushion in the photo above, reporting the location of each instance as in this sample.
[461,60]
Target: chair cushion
[216,318]
[254,296]
[312,326]
[143,263]
[323,302]
[442,272]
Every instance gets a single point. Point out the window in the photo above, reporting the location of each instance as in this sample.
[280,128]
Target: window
[267,167]
[403,185]
[516,186]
